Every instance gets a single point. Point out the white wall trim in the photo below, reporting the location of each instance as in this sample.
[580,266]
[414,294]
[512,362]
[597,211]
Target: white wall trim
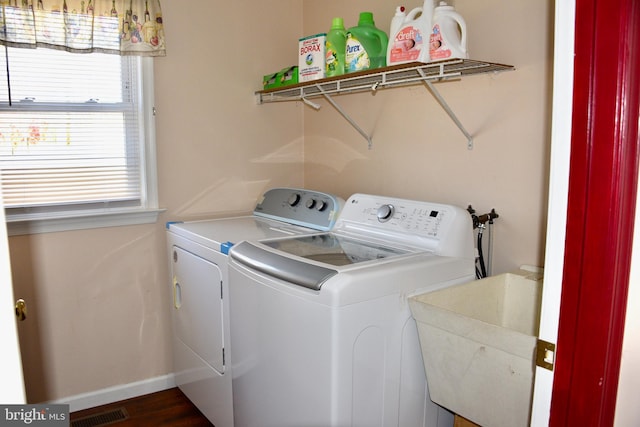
[562,107]
[117,393]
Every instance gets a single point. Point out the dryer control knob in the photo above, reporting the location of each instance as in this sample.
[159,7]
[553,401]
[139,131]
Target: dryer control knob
[385,212]
[320,206]
[294,199]
[310,203]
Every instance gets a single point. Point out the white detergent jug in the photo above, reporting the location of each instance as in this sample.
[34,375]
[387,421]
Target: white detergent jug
[397,20]
[409,42]
[449,34]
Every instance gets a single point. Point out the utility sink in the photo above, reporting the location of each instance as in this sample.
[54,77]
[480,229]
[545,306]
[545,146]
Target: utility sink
[478,343]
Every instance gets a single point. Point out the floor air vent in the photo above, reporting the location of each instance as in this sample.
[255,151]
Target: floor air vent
[101,419]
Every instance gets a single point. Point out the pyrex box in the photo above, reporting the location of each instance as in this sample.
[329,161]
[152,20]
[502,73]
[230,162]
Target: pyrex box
[311,59]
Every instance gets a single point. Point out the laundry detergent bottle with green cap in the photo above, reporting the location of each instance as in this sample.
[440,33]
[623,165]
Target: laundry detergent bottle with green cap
[366,45]
[335,47]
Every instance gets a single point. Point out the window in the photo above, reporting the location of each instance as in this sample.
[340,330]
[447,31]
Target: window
[76,140]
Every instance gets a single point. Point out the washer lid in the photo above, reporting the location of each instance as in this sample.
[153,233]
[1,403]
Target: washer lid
[333,249]
[294,271]
[290,258]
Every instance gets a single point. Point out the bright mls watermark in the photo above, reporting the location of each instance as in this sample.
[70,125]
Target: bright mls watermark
[34,415]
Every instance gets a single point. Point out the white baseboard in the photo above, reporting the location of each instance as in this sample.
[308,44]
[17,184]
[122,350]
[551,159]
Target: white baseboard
[117,393]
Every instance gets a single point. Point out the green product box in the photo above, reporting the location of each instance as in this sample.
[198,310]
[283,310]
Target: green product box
[269,81]
[284,77]
[288,76]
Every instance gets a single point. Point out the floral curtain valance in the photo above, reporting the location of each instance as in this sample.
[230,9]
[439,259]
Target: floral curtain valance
[124,27]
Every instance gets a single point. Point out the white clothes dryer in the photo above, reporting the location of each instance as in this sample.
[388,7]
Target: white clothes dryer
[200,287]
[321,328]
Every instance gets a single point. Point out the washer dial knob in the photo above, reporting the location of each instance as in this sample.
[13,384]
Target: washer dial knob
[294,199]
[321,205]
[385,212]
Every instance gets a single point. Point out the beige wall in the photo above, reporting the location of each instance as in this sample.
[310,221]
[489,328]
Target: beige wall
[97,309]
[99,298]
[217,149]
[418,152]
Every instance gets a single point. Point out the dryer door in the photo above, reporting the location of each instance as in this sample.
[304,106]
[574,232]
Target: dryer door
[197,306]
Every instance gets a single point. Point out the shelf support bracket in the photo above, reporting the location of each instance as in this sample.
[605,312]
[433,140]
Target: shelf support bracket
[447,109]
[346,116]
[310,103]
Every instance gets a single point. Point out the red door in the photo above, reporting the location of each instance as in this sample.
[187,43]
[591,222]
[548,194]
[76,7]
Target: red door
[600,215]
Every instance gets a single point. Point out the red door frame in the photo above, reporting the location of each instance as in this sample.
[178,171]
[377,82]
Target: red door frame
[600,214]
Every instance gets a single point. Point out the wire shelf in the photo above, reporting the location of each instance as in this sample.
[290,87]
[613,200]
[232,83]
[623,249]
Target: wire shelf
[381,78]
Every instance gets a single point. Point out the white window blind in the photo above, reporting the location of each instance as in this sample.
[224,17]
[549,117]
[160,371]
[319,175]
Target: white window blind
[71,132]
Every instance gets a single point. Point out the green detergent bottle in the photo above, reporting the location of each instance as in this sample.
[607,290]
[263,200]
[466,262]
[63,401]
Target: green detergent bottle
[366,45]
[335,48]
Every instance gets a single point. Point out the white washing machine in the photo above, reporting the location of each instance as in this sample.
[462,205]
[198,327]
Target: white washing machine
[200,287]
[320,324]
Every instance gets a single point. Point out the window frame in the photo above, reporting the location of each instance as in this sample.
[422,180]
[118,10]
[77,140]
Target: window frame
[146,213]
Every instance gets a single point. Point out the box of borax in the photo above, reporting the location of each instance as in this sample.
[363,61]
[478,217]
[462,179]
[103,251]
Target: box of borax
[311,57]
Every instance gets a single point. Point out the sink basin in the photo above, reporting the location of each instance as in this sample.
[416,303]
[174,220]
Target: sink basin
[478,344]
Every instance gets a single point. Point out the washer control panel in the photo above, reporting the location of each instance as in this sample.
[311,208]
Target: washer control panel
[308,208]
[433,226]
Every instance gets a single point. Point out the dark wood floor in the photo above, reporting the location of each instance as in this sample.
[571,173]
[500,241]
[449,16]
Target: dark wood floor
[165,408]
